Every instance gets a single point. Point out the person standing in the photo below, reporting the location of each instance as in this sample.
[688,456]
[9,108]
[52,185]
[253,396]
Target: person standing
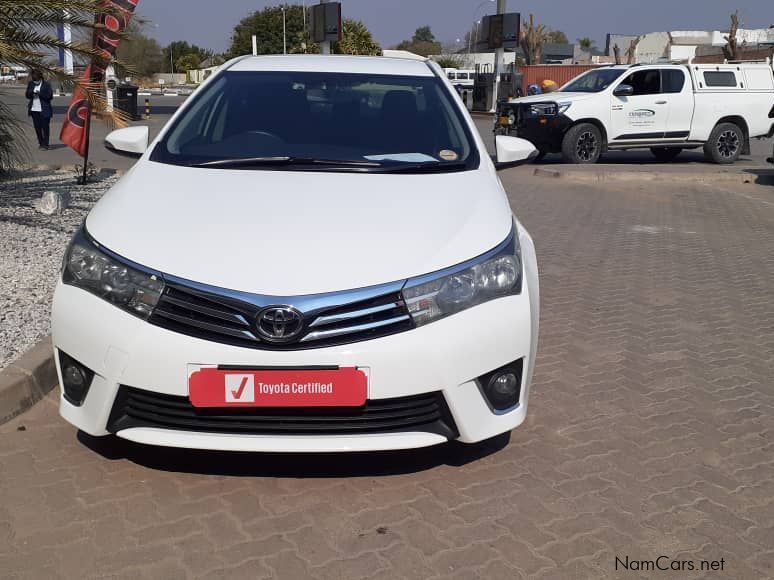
[40,94]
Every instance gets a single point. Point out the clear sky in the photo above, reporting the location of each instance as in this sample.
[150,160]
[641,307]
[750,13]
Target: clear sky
[209,23]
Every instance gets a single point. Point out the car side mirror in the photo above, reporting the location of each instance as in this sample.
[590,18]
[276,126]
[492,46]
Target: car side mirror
[129,141]
[624,91]
[512,151]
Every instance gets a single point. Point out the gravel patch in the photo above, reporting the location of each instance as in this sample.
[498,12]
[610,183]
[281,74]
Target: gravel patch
[31,249]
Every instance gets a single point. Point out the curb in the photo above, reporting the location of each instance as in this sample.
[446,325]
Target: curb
[27,380]
[652,175]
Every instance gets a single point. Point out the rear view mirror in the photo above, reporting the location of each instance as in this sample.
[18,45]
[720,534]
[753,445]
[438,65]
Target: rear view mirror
[624,91]
[130,141]
[512,151]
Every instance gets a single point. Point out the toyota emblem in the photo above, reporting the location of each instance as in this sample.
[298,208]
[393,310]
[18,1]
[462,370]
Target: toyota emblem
[279,323]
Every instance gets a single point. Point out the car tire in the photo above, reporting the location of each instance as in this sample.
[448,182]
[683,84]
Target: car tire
[665,154]
[582,144]
[725,144]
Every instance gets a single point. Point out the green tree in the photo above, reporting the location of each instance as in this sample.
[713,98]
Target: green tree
[142,53]
[423,42]
[266,25]
[356,39]
[423,34]
[187,62]
[27,37]
[557,36]
[180,48]
[586,44]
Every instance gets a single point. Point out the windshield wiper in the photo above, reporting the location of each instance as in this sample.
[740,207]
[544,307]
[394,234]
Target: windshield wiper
[286,160]
[424,167]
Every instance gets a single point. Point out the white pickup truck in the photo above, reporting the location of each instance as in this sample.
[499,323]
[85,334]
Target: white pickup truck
[665,108]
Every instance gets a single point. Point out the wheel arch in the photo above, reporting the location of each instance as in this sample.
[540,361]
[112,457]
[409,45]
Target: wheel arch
[598,124]
[740,122]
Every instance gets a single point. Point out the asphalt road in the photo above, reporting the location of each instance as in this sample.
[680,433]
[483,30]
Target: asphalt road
[163,107]
[650,434]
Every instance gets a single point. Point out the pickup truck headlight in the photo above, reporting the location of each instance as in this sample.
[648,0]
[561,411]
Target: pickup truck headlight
[95,270]
[492,275]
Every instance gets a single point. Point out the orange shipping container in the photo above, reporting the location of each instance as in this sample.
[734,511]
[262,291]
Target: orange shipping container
[559,73]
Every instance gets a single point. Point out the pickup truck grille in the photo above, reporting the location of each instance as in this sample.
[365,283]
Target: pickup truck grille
[329,319]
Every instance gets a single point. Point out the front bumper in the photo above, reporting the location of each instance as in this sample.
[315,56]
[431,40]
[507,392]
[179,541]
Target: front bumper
[545,132]
[443,357]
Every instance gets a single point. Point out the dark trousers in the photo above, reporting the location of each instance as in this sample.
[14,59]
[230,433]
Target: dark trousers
[42,127]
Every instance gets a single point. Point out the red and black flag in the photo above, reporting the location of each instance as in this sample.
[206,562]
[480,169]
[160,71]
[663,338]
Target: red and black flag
[111,23]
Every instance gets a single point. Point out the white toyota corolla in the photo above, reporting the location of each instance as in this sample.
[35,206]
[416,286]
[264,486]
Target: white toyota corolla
[315,254]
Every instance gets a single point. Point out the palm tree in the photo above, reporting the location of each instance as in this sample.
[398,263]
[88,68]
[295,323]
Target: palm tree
[28,39]
[357,39]
[533,37]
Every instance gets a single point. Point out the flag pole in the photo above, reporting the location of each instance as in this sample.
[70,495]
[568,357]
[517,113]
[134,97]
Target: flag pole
[88,142]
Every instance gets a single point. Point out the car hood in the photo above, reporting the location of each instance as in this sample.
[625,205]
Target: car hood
[557,97]
[287,233]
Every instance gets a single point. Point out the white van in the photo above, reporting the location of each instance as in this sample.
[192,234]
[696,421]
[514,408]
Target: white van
[461,78]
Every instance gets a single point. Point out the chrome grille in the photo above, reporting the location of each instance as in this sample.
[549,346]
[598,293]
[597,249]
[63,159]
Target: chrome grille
[229,317]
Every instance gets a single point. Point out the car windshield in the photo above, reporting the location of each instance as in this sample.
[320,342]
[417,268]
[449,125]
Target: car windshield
[320,121]
[593,81]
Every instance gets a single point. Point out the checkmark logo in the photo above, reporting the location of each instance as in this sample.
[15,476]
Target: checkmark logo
[238,393]
[240,389]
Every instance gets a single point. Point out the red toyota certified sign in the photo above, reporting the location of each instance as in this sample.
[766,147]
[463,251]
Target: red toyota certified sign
[214,387]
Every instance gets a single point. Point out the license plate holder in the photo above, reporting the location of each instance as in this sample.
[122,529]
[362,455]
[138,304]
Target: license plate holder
[272,387]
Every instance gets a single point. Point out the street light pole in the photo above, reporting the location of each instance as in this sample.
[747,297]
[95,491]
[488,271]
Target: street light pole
[499,55]
[284,33]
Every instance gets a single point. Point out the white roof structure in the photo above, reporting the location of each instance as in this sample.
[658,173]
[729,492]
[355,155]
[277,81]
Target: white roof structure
[392,53]
[337,63]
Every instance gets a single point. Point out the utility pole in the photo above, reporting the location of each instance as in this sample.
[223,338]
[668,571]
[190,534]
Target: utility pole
[498,68]
[325,46]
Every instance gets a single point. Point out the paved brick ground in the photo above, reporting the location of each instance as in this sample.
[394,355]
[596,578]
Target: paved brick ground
[650,434]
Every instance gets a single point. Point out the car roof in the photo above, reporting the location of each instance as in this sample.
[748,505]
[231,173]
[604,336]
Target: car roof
[334,63]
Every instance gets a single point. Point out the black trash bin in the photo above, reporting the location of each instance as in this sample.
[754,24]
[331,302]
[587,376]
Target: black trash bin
[126,100]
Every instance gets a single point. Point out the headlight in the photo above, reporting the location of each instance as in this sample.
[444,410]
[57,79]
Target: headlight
[563,107]
[493,275]
[543,109]
[88,267]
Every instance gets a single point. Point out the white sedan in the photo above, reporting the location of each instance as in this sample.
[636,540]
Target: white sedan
[315,254]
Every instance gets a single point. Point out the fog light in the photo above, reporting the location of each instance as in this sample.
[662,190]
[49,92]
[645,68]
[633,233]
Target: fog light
[76,379]
[501,387]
